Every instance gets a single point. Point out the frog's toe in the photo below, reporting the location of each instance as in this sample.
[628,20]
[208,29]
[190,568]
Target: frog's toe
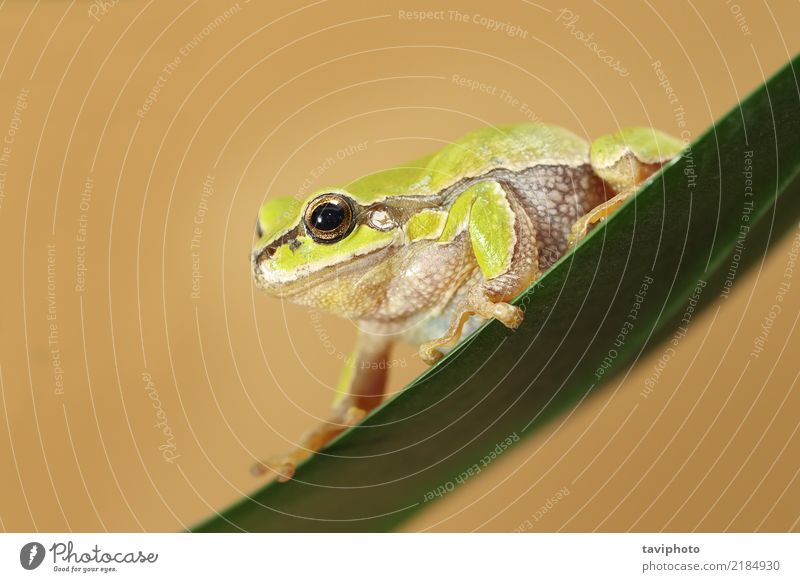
[282,468]
[429,354]
[508,315]
[578,231]
[353,416]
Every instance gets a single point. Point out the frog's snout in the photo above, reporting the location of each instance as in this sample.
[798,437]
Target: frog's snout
[260,261]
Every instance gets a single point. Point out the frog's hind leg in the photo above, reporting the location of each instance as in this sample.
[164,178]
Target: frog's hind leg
[360,389]
[503,244]
[624,160]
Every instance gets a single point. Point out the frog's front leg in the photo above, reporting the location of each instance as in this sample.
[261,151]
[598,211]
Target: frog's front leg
[624,160]
[502,242]
[360,389]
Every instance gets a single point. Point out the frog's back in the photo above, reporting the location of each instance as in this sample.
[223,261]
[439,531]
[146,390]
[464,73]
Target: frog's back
[510,147]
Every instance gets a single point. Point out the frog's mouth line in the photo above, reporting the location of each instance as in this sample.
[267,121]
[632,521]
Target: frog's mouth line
[288,289]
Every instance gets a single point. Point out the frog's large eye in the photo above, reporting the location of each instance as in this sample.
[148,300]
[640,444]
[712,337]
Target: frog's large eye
[329,218]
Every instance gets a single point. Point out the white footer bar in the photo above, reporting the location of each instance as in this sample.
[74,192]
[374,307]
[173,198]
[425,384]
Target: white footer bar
[388,557]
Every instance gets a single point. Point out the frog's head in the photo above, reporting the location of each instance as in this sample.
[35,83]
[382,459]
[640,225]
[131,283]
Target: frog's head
[323,246]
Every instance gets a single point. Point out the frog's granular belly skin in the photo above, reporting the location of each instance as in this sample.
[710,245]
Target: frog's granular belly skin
[555,197]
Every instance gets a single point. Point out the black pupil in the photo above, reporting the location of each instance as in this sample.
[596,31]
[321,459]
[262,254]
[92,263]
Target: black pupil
[327,216]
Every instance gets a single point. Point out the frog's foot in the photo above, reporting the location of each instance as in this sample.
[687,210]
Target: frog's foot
[624,160]
[283,466]
[596,214]
[476,303]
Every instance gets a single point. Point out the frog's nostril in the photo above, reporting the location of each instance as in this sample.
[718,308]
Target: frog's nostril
[264,255]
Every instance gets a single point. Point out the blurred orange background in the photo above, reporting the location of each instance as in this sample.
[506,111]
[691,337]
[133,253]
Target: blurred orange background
[145,135]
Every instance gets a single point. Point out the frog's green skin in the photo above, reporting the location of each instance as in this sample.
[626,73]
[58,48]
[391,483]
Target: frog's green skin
[445,240]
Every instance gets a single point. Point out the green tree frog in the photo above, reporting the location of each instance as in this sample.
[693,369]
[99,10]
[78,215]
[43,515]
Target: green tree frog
[427,251]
